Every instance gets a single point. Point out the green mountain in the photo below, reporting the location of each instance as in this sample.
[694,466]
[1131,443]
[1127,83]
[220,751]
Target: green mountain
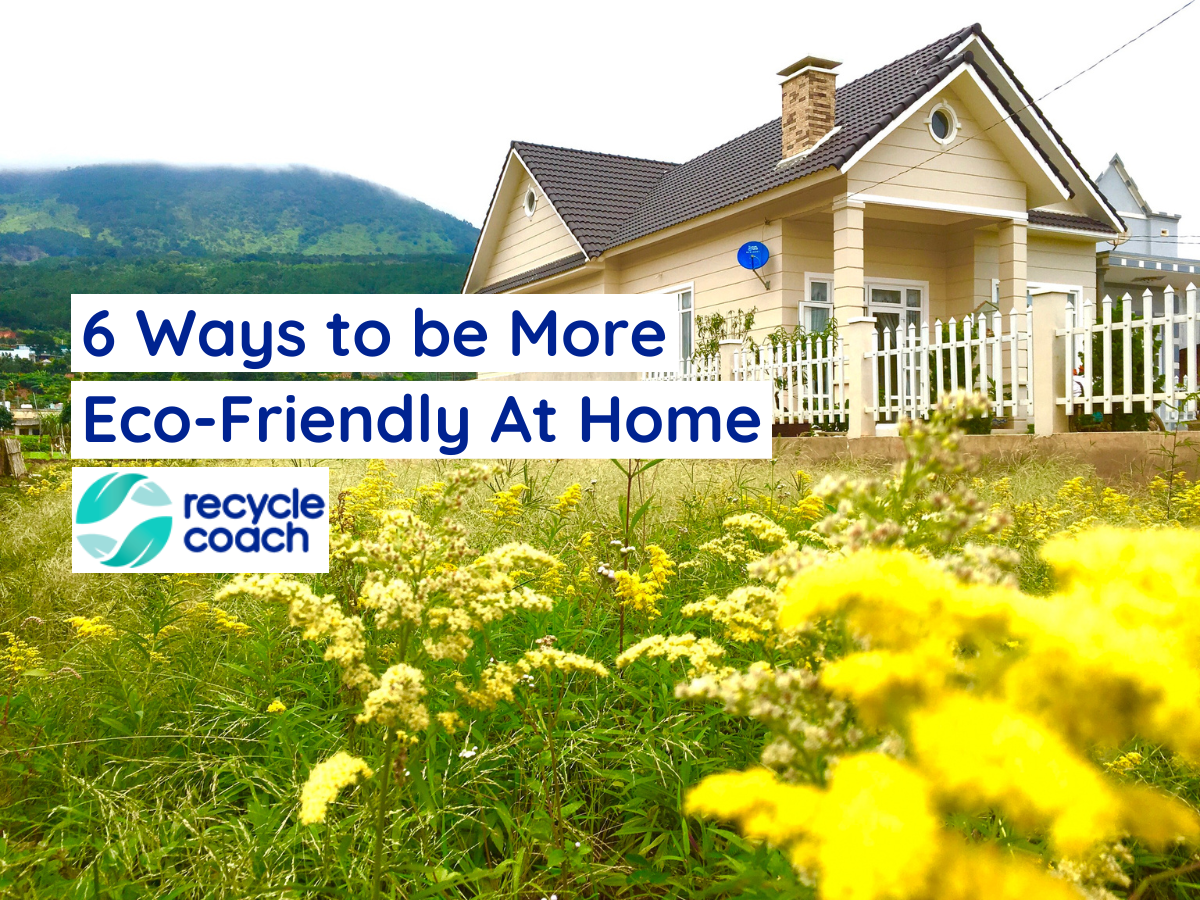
[122,211]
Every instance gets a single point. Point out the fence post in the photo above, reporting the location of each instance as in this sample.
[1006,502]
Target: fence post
[858,333]
[728,348]
[1049,360]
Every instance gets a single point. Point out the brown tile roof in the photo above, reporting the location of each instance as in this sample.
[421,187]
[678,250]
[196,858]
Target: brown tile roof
[593,192]
[557,267]
[609,200]
[1067,220]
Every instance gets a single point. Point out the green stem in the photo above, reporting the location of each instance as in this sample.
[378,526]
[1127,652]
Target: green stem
[381,818]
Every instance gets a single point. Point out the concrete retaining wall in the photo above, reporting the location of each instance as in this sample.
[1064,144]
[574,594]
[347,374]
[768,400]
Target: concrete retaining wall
[1137,456]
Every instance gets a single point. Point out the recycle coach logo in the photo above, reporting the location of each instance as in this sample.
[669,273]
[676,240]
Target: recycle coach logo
[126,549]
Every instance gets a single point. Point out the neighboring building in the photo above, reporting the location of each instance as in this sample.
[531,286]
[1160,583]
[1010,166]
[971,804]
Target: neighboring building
[1149,259]
[23,351]
[929,188]
[27,420]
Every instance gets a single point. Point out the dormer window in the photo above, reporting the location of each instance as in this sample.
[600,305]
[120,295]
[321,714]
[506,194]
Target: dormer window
[943,123]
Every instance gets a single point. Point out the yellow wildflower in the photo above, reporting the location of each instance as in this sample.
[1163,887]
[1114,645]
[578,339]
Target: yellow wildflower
[18,657]
[94,627]
[277,706]
[506,504]
[325,782]
[568,500]
[451,721]
[642,590]
[699,652]
[320,617]
[397,700]
[499,680]
[747,614]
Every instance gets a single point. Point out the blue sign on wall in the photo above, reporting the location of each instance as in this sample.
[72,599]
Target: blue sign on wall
[753,255]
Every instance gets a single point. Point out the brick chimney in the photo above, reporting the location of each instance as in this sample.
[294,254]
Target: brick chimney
[808,103]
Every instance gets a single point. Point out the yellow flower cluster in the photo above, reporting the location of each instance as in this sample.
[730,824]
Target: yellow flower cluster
[18,656]
[763,529]
[700,653]
[568,500]
[747,614]
[643,590]
[221,619]
[326,781]
[499,680]
[93,628]
[374,495]
[276,706]
[875,834]
[506,504]
[471,597]
[1006,726]
[398,700]
[320,617]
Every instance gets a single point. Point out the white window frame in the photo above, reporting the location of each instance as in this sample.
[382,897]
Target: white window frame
[943,106]
[677,290]
[806,302]
[528,207]
[901,284]
[1036,287]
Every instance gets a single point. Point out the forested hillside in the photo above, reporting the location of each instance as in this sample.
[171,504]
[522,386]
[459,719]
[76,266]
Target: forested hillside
[38,296]
[153,229]
[136,210]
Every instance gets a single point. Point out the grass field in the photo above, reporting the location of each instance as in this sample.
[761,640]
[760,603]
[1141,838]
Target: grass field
[156,738]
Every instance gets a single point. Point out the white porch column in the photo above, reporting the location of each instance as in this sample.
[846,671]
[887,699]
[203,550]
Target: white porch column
[856,329]
[849,301]
[1013,259]
[1049,360]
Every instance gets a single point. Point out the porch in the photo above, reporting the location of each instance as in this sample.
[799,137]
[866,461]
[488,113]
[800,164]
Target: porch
[1051,365]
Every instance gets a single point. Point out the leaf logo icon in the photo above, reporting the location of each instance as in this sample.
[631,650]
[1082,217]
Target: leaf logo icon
[103,498]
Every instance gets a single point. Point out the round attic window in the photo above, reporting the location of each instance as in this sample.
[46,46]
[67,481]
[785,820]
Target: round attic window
[530,202]
[943,123]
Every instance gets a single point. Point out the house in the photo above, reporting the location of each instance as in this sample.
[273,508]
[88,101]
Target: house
[27,420]
[1149,258]
[931,188]
[22,351]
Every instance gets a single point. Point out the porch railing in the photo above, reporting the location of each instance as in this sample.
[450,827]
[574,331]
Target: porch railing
[915,366]
[1114,362]
[809,374]
[1143,364]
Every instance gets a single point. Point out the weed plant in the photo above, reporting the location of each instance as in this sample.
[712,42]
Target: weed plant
[159,733]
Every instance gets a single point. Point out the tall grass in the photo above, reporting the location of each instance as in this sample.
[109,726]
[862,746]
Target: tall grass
[149,766]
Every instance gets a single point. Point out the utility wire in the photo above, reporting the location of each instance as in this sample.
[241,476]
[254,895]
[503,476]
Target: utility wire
[1015,113]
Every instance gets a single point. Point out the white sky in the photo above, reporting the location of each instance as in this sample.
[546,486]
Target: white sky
[424,97]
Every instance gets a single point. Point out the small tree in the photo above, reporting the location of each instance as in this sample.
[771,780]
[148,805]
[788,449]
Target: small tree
[6,418]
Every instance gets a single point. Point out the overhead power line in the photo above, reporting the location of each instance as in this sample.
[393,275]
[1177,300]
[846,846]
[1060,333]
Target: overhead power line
[1017,112]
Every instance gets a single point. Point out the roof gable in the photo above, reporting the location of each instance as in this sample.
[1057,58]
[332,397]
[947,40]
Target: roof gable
[990,164]
[1121,190]
[607,201]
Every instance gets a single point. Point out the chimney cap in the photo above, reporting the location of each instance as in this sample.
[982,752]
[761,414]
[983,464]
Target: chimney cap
[809,62]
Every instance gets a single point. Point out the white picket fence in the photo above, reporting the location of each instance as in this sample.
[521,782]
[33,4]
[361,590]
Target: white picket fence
[698,368]
[915,366]
[1134,382]
[809,374]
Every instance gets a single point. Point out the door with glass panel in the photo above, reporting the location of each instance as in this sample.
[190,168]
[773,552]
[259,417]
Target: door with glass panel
[894,308]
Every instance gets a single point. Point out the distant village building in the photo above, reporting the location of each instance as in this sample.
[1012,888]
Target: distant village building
[22,351]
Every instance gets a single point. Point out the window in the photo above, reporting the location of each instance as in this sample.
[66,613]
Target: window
[897,304]
[686,327]
[943,123]
[817,307]
[530,202]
